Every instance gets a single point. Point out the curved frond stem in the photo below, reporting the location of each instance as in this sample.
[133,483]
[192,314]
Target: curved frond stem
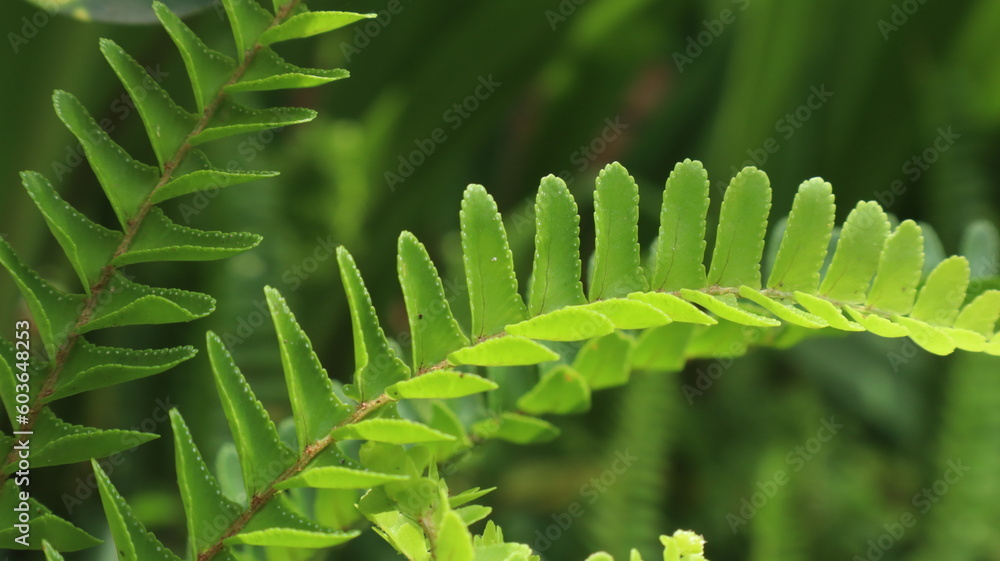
[134,226]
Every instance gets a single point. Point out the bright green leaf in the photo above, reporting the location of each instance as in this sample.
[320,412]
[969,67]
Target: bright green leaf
[981,314]
[309,24]
[314,405]
[739,243]
[806,239]
[680,253]
[676,309]
[433,328]
[617,271]
[489,266]
[160,239]
[453,541]
[167,125]
[129,303]
[503,351]
[207,69]
[556,270]
[88,246]
[604,361]
[57,442]
[561,390]
[268,72]
[629,313]
[339,477]
[393,431]
[565,324]
[826,310]
[726,308]
[857,255]
[233,119]
[248,20]
[440,384]
[132,540]
[943,293]
[126,182]
[376,364]
[262,456]
[899,270]
[786,312]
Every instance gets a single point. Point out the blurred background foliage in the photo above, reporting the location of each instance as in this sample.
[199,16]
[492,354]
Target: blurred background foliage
[575,84]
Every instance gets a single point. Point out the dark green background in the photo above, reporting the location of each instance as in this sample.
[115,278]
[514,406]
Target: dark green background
[905,413]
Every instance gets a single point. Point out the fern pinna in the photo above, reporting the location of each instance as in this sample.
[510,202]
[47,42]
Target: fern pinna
[381,447]
[65,363]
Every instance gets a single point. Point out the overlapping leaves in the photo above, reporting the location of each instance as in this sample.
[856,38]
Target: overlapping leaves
[62,361]
[631,317]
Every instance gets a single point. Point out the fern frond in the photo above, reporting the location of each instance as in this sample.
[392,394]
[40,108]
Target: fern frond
[70,364]
[874,278]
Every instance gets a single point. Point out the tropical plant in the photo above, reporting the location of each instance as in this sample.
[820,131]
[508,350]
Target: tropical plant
[382,447]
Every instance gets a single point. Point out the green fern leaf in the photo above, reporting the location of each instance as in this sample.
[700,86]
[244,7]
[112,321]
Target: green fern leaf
[562,390]
[132,540]
[163,240]
[339,477]
[91,367]
[519,429]
[376,364]
[857,256]
[126,182]
[204,503]
[248,20]
[197,174]
[440,384]
[136,304]
[662,349]
[207,69]
[627,313]
[54,311]
[899,270]
[278,526]
[555,274]
[943,293]
[433,328]
[739,244]
[681,244]
[617,271]
[167,125]
[981,314]
[726,307]
[262,455]
[489,266]
[309,24]
[505,351]
[268,72]
[783,311]
[675,308]
[564,324]
[604,361]
[314,404]
[393,431]
[57,442]
[234,119]
[806,239]
[88,246]
[827,311]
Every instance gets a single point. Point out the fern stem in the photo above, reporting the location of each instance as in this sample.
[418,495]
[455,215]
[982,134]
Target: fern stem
[260,500]
[132,229]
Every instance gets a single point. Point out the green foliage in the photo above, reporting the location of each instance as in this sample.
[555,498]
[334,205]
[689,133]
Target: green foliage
[402,444]
[64,362]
